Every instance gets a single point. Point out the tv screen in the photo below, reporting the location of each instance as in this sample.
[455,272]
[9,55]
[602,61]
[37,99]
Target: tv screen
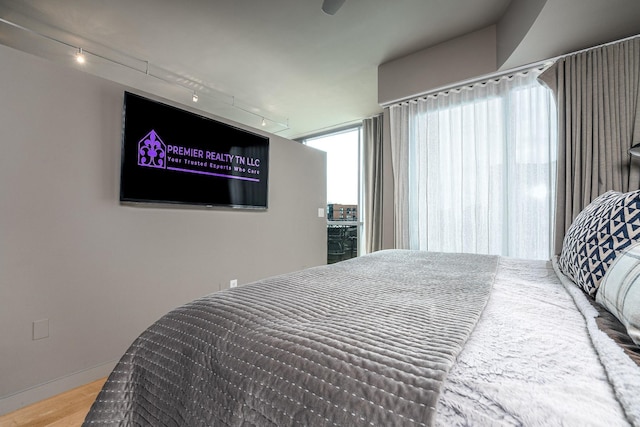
[172,156]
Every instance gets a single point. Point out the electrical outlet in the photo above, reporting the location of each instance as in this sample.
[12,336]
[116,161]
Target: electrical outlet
[233,283]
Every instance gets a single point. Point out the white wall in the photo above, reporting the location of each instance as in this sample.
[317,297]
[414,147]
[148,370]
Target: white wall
[514,25]
[101,272]
[462,58]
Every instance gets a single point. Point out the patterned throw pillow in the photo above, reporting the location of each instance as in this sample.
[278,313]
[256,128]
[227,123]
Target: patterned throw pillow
[619,290]
[599,233]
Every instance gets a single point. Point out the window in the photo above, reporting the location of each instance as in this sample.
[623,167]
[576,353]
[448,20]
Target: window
[480,168]
[343,191]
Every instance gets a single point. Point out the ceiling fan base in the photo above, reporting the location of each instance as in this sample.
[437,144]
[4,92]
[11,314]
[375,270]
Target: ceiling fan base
[330,7]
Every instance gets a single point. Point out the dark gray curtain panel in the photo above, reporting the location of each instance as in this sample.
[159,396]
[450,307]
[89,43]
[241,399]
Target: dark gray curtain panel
[372,165]
[598,98]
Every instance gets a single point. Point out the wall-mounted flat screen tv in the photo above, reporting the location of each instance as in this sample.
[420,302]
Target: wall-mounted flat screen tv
[172,156]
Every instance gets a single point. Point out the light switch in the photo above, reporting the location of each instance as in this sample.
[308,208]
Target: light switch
[320,212]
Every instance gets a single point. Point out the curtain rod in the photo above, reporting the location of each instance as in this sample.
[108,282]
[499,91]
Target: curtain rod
[626,39]
[498,74]
[469,82]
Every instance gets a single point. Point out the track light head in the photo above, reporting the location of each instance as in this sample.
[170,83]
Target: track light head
[80,58]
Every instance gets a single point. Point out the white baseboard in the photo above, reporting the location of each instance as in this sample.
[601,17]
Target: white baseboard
[43,391]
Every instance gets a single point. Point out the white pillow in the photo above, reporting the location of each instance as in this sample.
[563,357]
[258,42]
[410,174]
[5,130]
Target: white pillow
[619,290]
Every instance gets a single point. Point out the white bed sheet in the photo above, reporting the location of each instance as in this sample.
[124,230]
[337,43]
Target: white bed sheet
[530,361]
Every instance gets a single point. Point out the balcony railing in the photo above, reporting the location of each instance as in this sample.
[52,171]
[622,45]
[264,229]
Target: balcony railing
[342,240]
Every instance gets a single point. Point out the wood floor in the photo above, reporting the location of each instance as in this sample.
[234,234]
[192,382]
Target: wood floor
[67,409]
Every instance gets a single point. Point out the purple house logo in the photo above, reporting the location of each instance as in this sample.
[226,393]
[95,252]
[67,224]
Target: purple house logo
[152,151]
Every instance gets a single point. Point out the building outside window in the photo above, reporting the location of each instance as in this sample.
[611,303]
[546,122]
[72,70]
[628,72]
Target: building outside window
[343,191]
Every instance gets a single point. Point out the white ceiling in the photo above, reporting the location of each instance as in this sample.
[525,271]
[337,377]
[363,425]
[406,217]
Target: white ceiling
[282,59]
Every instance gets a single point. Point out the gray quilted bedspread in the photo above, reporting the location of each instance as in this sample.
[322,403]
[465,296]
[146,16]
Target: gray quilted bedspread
[365,342]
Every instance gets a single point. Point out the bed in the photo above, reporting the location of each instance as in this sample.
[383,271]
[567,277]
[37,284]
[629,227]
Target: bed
[404,338]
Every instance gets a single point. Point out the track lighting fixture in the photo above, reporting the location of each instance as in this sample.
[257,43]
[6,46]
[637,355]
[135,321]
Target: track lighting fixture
[80,58]
[110,55]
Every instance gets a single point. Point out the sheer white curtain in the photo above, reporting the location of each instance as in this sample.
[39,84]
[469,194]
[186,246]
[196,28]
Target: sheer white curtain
[474,169]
